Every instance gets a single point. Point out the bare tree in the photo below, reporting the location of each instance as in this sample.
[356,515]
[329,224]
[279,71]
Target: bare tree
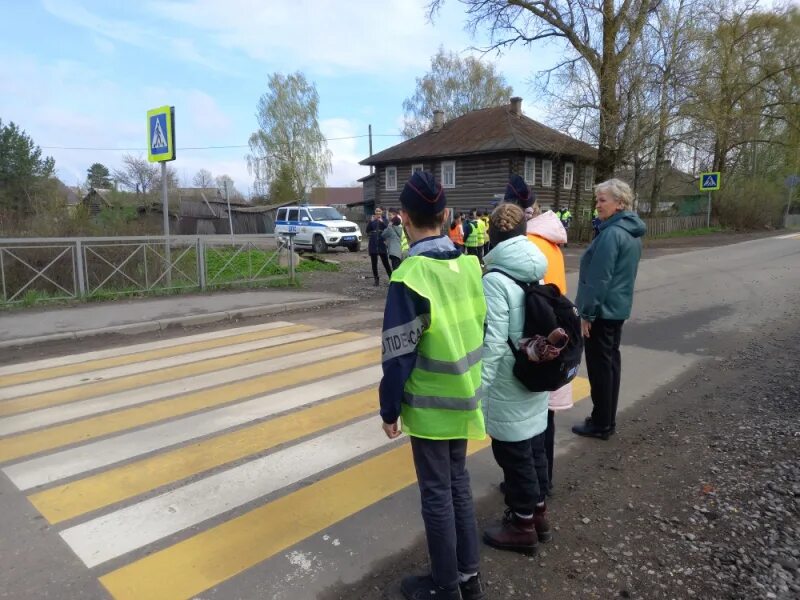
[203,179]
[600,32]
[137,174]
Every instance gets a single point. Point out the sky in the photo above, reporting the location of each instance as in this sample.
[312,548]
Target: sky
[82,74]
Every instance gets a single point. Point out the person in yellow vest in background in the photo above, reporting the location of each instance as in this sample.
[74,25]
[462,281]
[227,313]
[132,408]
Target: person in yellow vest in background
[432,343]
[484,216]
[473,236]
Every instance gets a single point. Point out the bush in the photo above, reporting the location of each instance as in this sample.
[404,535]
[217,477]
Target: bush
[746,203]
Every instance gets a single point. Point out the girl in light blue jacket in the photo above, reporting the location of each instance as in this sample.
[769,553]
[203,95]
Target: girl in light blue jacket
[516,418]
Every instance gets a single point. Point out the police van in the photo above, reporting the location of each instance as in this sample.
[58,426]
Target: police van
[317,228]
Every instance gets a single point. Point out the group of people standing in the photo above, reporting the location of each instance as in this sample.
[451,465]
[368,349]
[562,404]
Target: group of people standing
[448,363]
[386,240]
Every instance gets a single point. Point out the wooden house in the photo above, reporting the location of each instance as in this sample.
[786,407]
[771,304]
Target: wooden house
[474,155]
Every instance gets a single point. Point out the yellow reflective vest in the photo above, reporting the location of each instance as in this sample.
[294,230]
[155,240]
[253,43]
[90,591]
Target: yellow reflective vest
[442,396]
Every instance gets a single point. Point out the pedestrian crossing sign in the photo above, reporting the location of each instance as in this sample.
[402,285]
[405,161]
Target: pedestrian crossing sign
[709,182]
[161,134]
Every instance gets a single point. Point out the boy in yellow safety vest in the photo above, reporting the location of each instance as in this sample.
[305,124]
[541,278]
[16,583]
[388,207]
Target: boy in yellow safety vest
[432,343]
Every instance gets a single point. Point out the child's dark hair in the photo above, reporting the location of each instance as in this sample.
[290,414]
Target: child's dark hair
[425,220]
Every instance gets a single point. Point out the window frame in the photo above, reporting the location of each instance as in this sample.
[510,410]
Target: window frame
[281,216]
[547,165]
[417,167]
[588,178]
[571,175]
[529,160]
[393,187]
[296,215]
[447,163]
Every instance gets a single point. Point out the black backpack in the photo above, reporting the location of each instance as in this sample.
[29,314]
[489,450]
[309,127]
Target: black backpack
[546,309]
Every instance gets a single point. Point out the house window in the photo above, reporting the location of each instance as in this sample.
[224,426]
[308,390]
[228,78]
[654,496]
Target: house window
[530,171]
[391,178]
[417,168]
[547,173]
[449,174]
[588,182]
[569,172]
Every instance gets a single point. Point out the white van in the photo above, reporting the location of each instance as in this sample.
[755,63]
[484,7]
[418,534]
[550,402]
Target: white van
[317,227]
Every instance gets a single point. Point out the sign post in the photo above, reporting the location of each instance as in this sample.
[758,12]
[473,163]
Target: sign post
[710,182]
[161,148]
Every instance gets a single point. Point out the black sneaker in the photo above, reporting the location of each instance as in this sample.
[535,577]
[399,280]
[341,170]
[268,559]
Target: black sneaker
[472,588]
[422,587]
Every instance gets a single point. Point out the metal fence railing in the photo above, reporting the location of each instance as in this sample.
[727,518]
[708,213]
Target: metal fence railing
[40,269]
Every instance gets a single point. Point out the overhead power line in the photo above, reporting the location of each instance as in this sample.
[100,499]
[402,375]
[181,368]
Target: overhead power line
[352,137]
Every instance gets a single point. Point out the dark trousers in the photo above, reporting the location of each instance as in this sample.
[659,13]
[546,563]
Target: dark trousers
[475,251]
[396,260]
[550,445]
[604,366]
[384,260]
[524,467]
[447,509]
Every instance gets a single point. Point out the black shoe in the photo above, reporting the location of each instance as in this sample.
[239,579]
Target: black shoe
[377,282]
[588,421]
[472,588]
[422,587]
[590,430]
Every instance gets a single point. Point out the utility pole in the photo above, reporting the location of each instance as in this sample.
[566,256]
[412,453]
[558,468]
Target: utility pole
[230,217]
[370,146]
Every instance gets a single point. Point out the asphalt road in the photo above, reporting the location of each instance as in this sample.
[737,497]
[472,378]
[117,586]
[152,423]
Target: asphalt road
[691,309]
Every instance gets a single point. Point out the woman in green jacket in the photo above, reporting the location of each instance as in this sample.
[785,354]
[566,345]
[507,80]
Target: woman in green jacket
[605,296]
[515,417]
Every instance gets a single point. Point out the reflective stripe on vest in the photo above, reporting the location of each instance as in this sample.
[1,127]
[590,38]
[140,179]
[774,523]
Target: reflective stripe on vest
[442,394]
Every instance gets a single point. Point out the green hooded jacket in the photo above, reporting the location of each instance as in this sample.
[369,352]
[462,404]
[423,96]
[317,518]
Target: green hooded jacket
[608,268]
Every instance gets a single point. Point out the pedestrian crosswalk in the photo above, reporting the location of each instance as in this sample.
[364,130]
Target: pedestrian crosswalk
[170,467]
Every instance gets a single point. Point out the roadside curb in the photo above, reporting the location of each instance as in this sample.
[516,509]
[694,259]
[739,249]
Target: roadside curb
[187,321]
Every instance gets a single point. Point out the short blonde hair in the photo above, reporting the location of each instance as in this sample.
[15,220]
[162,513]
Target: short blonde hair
[617,189]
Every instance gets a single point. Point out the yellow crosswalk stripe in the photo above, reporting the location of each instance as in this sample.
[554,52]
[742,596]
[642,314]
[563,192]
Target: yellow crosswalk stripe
[217,554]
[580,389]
[87,429]
[103,489]
[130,382]
[125,359]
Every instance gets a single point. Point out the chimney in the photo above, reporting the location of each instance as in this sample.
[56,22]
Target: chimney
[516,106]
[438,119]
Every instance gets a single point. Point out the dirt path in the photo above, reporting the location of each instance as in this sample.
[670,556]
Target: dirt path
[697,496]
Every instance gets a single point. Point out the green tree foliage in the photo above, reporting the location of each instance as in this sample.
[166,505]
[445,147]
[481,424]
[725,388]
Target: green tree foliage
[456,86]
[98,176]
[281,189]
[23,170]
[289,139]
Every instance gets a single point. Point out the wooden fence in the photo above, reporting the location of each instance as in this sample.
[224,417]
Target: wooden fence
[663,225]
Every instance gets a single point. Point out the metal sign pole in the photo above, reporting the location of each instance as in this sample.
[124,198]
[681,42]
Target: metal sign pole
[230,218]
[165,209]
[708,214]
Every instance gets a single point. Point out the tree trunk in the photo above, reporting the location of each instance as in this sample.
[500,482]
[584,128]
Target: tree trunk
[608,76]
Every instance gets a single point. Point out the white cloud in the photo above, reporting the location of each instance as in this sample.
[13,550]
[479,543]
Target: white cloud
[345,152]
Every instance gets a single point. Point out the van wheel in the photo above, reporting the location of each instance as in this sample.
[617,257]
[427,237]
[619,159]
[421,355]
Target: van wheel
[318,245]
[354,247]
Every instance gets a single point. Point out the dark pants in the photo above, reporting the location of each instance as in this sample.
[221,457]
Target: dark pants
[550,445]
[396,260]
[524,467]
[447,509]
[604,367]
[475,251]
[384,260]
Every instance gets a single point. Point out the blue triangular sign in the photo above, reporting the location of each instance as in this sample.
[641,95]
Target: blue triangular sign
[710,181]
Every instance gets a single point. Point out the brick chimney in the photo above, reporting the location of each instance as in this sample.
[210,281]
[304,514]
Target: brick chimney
[516,106]
[438,120]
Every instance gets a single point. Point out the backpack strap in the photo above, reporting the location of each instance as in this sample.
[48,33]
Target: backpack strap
[524,286]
